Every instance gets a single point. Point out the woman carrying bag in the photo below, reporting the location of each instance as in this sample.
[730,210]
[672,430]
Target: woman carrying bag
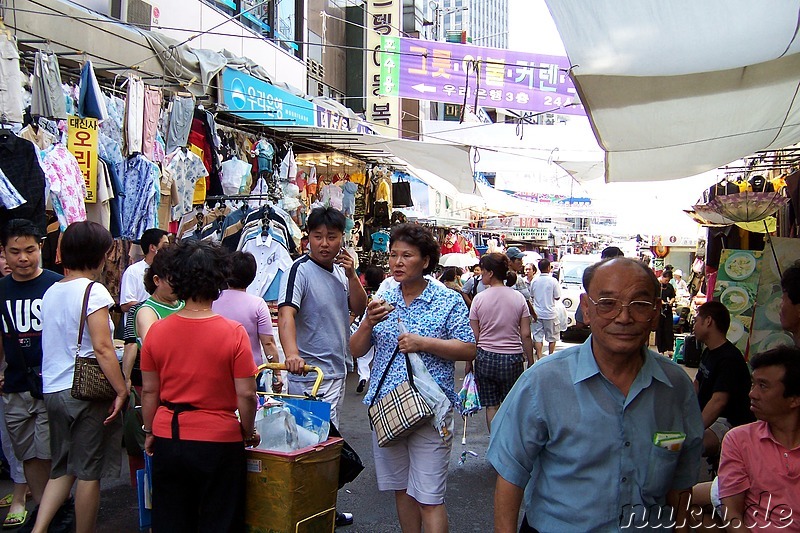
[85,435]
[415,465]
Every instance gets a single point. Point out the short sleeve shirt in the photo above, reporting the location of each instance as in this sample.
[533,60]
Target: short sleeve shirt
[725,370]
[577,442]
[322,322]
[498,311]
[438,312]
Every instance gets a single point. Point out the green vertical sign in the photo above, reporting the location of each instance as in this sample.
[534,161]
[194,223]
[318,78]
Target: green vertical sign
[390,66]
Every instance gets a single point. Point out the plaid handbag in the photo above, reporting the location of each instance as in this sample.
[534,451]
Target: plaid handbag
[401,411]
[89,383]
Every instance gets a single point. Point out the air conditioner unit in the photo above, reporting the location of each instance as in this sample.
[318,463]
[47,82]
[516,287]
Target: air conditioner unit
[137,12]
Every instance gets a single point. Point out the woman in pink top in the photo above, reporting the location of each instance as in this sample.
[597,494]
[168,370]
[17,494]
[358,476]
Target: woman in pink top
[249,310]
[500,318]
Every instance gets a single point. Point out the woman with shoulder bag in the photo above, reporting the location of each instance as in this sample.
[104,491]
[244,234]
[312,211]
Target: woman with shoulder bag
[85,435]
[415,465]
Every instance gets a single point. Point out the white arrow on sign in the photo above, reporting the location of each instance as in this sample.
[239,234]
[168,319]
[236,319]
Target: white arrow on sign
[421,87]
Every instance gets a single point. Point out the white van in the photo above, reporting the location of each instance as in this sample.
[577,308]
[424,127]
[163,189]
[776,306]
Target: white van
[570,276]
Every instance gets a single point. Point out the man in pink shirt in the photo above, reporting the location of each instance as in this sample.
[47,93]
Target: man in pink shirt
[759,471]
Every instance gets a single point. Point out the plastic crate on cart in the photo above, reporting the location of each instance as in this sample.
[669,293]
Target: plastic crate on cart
[293,492]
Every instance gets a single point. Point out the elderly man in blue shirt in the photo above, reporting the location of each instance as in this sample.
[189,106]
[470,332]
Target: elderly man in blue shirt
[607,435]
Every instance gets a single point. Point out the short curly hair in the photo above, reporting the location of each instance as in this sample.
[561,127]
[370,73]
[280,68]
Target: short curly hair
[421,238]
[198,270]
[159,267]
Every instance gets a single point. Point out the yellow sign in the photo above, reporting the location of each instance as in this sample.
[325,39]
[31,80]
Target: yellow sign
[199,187]
[82,143]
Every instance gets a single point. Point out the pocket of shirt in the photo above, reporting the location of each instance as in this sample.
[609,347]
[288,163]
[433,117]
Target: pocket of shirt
[660,471]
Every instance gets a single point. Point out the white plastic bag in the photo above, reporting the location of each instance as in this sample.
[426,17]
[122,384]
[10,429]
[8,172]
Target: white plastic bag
[561,315]
[430,391]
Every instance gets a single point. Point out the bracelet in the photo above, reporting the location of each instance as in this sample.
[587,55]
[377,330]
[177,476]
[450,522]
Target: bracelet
[147,431]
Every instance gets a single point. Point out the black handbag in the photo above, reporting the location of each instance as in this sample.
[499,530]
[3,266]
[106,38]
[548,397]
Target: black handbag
[350,464]
[401,194]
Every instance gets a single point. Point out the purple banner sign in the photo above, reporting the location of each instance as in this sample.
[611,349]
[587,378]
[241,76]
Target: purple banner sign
[445,72]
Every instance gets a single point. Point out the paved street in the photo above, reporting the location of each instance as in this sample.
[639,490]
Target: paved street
[469,491]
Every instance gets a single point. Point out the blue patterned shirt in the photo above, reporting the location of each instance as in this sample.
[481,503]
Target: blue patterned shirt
[438,312]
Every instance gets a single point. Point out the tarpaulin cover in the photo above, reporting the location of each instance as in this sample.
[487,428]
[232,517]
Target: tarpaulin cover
[677,88]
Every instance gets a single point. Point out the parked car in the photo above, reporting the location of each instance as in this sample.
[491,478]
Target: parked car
[570,276]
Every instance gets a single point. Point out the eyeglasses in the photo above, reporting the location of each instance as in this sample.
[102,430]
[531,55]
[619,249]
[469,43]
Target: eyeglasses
[610,308]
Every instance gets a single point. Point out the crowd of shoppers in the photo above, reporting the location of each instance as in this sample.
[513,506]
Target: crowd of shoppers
[616,399]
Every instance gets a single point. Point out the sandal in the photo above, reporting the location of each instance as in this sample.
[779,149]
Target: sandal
[5,501]
[15,519]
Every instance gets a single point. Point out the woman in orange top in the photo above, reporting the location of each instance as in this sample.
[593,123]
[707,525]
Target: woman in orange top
[197,370]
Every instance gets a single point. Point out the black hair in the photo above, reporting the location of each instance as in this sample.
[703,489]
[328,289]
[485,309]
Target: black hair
[198,270]
[544,265]
[790,282]
[329,217]
[20,227]
[84,245]
[610,252]
[151,237]
[450,274]
[419,237]
[589,272]
[666,274]
[500,266]
[789,358]
[718,313]
[535,270]
[373,276]
[159,267]
[472,268]
[243,270]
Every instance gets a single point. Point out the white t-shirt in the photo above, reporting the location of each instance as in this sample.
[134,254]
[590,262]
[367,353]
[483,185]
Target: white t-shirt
[545,291]
[132,288]
[61,312]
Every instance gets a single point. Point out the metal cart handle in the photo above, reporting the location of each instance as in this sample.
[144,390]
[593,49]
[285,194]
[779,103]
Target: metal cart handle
[306,368]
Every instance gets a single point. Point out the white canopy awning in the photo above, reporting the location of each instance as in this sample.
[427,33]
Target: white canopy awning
[445,160]
[677,88]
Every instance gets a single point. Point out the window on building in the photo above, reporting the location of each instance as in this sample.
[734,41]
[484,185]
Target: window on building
[273,19]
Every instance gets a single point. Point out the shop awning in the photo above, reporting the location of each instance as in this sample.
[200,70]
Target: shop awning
[450,162]
[677,88]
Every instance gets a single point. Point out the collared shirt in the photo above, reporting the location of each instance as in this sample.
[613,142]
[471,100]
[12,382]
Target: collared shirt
[185,168]
[142,194]
[67,186]
[753,462]
[587,450]
[438,312]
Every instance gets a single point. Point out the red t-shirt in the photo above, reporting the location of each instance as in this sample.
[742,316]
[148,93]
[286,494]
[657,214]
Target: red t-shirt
[196,361]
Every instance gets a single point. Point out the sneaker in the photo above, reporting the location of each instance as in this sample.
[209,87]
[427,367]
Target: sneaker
[344,519]
[361,385]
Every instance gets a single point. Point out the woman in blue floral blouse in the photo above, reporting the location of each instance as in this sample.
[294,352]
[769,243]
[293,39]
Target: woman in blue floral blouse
[437,321]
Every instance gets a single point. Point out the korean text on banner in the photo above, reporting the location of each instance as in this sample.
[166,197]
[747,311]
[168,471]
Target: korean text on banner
[383,109]
[82,143]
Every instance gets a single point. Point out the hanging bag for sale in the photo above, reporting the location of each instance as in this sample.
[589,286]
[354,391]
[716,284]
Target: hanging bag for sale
[401,193]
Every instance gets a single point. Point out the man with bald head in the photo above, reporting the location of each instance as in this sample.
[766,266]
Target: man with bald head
[605,435]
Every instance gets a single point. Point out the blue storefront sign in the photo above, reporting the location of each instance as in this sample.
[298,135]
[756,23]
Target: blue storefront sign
[259,101]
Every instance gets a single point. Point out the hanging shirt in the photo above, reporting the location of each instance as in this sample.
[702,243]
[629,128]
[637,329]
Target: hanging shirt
[234,175]
[140,180]
[264,151]
[333,195]
[9,196]
[184,168]
[20,164]
[380,241]
[349,199]
[40,137]
[288,167]
[67,186]
[271,257]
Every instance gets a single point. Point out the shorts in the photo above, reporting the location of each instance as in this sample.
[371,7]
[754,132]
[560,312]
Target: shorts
[80,445]
[495,374]
[417,464]
[545,329]
[331,391]
[28,428]
[720,427]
